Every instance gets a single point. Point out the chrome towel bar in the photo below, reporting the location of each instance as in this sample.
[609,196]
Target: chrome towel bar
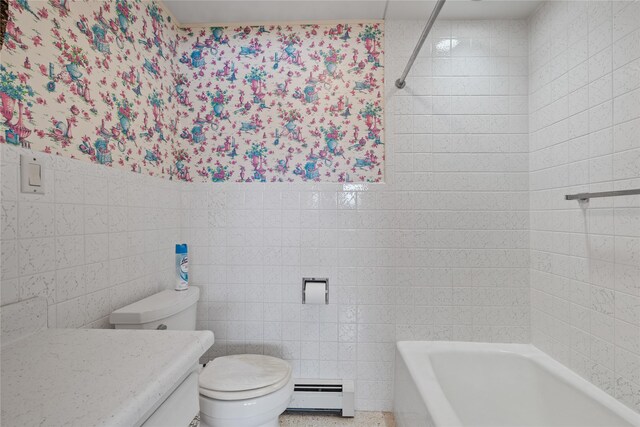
[587,196]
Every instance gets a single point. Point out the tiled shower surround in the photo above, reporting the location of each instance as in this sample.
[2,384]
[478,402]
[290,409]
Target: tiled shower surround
[498,121]
[585,136]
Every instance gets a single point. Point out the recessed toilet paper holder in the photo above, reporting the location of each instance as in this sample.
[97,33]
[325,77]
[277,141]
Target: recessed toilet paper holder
[310,280]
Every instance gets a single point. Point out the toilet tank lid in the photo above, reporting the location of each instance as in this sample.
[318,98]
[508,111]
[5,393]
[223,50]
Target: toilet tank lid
[156,307]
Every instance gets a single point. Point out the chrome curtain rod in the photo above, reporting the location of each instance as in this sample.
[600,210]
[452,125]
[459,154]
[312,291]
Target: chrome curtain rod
[587,196]
[401,82]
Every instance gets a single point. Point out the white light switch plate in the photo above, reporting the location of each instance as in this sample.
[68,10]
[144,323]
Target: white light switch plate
[32,174]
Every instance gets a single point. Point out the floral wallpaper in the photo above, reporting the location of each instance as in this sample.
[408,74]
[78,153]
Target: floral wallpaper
[92,80]
[283,103]
[118,83]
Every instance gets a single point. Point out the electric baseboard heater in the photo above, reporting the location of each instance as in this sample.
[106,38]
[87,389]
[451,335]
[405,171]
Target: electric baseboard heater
[314,395]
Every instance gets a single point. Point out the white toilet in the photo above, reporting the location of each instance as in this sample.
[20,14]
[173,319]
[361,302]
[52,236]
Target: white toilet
[245,390]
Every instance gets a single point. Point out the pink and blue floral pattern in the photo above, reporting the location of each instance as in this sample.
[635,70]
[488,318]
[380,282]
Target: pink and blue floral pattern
[283,103]
[92,80]
[118,83]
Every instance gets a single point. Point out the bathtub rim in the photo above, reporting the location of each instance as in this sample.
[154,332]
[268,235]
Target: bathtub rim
[439,406]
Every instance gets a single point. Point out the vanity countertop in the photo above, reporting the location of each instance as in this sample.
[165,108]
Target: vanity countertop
[94,377]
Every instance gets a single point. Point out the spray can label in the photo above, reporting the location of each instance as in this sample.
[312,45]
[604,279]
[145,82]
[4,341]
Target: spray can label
[182,268]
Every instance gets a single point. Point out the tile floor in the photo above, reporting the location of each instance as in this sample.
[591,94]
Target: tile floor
[362,419]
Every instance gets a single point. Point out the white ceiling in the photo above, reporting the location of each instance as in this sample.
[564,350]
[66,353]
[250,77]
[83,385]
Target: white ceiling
[462,9]
[190,12]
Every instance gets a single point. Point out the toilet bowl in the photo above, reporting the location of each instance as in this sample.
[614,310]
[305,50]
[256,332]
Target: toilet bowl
[244,390]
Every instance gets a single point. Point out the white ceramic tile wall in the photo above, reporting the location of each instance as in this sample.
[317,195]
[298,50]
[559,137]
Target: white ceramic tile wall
[98,239]
[440,251]
[585,127]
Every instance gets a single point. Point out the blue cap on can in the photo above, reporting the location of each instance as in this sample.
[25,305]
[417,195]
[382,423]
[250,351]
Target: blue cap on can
[181,249]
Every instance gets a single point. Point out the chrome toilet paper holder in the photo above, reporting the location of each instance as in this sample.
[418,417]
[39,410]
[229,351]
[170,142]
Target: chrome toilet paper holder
[324,280]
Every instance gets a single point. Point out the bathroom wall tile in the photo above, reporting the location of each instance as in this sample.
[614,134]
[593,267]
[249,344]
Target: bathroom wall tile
[119,217]
[9,220]
[67,268]
[35,255]
[626,20]
[93,189]
[68,188]
[626,78]
[9,185]
[39,285]
[602,270]
[23,318]
[36,220]
[72,313]
[10,266]
[10,291]
[97,305]
[52,316]
[116,189]
[96,247]
[626,49]
[69,251]
[71,283]
[69,219]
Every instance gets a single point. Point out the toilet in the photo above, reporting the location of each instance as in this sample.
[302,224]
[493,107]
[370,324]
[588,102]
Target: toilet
[243,390]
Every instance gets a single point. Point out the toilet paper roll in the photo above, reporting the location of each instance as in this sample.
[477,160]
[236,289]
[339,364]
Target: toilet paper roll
[314,293]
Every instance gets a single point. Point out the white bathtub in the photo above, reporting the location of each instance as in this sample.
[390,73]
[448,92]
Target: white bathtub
[478,384]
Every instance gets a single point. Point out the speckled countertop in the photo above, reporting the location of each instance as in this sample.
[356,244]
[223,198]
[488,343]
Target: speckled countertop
[94,377]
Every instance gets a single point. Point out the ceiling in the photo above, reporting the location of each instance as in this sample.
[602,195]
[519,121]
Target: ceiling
[191,12]
[462,9]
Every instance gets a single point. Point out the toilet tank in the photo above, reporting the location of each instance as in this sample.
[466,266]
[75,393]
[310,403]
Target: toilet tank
[165,310]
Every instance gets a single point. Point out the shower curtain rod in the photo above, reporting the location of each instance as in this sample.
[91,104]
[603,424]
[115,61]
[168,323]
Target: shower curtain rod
[401,82]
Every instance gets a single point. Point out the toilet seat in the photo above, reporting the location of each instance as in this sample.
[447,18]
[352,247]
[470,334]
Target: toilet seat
[260,411]
[243,376]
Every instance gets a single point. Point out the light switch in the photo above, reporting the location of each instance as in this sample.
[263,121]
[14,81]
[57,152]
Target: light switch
[31,174]
[35,178]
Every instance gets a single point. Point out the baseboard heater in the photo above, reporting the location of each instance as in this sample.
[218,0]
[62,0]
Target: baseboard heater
[315,395]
